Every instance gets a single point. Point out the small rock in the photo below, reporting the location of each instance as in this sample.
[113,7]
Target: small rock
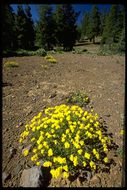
[62,97]
[5,130]
[54,86]
[78,182]
[86,175]
[38,87]
[32,177]
[107,115]
[29,112]
[21,147]
[122,116]
[20,124]
[95,181]
[34,99]
[17,169]
[12,151]
[6,176]
[52,95]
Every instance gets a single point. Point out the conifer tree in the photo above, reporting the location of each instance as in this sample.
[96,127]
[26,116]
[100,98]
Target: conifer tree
[24,28]
[113,25]
[45,28]
[92,24]
[66,32]
[21,27]
[8,29]
[85,24]
[95,23]
[30,33]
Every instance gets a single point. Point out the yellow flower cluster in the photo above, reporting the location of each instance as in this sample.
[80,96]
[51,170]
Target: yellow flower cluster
[50,59]
[65,137]
[11,64]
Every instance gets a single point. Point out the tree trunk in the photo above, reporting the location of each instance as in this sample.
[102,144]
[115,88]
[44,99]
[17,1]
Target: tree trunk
[94,40]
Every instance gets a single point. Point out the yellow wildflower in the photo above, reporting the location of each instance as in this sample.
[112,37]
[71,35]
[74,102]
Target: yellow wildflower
[65,174]
[80,151]
[67,145]
[47,164]
[25,152]
[34,150]
[92,165]
[38,163]
[105,160]
[50,152]
[40,146]
[33,139]
[65,168]
[122,132]
[34,158]
[87,155]
[71,157]
[84,163]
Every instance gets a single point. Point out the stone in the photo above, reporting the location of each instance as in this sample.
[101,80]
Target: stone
[38,87]
[107,115]
[12,151]
[5,176]
[52,95]
[20,124]
[95,181]
[29,112]
[17,169]
[32,177]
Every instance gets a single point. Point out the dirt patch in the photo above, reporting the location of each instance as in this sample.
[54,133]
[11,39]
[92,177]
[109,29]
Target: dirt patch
[37,84]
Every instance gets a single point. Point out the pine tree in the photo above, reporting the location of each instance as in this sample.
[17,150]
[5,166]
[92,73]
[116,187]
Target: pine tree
[24,28]
[30,33]
[92,24]
[66,26]
[21,28]
[96,23]
[45,28]
[103,20]
[113,25]
[8,31]
[85,24]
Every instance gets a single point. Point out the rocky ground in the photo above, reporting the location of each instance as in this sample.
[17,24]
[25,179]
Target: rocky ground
[36,84]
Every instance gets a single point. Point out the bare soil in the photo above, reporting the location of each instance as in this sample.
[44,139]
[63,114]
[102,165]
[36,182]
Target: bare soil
[37,84]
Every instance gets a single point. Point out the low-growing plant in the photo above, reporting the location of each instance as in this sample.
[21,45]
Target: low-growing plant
[23,52]
[78,98]
[66,139]
[111,49]
[11,64]
[50,59]
[41,52]
[79,51]
[59,50]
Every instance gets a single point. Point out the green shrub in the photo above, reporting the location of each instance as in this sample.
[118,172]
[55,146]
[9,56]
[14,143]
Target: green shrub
[22,52]
[59,50]
[41,52]
[112,49]
[78,98]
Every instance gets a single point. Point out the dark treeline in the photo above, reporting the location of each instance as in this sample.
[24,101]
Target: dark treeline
[59,28]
